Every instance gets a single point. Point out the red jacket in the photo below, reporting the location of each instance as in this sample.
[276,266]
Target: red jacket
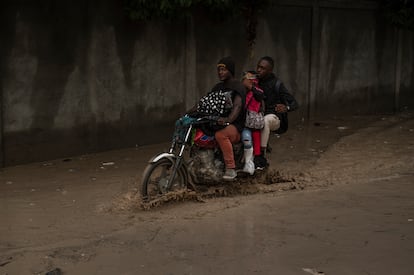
[254,99]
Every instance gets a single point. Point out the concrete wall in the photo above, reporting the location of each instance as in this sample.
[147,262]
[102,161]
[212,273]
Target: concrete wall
[285,34]
[405,71]
[78,77]
[357,60]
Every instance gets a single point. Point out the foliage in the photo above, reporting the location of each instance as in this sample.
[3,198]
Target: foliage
[171,9]
[250,10]
[400,13]
[174,9]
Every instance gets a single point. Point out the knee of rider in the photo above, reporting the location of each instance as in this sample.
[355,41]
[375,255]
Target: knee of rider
[218,136]
[246,135]
[270,118]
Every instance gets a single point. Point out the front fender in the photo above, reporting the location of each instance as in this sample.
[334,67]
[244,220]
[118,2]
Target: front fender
[156,158]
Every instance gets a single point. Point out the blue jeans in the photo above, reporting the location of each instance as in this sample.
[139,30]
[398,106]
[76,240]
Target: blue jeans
[246,137]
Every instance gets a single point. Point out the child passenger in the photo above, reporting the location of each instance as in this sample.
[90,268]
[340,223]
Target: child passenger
[251,137]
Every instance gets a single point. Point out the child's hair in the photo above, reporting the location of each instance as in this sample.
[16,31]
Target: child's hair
[249,75]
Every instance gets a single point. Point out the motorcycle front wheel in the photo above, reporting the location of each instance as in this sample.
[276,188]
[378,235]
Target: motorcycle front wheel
[155,179]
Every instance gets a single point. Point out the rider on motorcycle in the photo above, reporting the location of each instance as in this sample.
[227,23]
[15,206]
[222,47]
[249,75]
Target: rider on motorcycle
[232,117]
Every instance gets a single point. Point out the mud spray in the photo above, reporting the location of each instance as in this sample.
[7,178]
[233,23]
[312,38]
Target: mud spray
[262,182]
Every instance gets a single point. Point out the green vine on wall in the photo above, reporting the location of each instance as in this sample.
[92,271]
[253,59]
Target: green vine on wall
[399,13]
[173,9]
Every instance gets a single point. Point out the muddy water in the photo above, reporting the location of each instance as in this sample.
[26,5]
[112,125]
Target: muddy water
[82,215]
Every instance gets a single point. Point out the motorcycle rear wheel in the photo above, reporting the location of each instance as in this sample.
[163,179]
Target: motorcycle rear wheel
[155,179]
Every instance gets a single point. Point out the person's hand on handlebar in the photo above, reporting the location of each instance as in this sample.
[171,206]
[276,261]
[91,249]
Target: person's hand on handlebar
[222,121]
[281,108]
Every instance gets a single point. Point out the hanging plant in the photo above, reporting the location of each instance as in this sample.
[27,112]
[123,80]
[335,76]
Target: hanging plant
[251,10]
[173,9]
[399,13]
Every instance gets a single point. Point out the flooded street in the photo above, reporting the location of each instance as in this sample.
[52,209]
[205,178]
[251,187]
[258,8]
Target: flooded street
[350,211]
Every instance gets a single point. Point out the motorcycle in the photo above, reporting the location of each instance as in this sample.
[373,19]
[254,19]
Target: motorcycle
[193,159]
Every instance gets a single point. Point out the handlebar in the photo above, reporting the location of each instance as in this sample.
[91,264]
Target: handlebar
[208,119]
[200,119]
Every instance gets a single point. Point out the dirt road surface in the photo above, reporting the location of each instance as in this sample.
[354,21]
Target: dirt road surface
[350,210]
